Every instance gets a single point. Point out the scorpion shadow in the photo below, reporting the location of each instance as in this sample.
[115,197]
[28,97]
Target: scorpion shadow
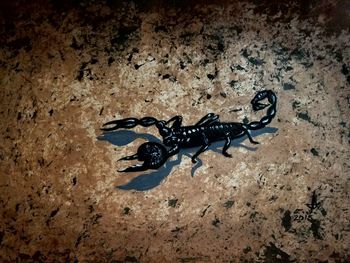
[152,179]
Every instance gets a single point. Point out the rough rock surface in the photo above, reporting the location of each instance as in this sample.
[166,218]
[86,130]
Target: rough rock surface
[66,67]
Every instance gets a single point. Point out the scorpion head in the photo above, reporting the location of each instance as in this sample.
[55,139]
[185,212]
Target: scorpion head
[164,131]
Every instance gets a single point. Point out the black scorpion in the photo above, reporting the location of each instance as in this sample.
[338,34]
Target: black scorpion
[208,130]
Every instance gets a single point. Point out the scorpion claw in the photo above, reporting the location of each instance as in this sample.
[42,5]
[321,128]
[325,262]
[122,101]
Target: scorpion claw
[153,155]
[131,157]
[111,128]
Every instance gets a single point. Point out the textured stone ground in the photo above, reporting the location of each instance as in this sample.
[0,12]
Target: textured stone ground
[66,68]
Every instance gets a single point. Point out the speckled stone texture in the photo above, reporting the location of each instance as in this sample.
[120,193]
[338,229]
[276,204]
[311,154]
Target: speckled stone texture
[66,67]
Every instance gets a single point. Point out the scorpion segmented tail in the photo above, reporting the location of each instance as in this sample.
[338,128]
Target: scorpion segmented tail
[271,111]
[129,123]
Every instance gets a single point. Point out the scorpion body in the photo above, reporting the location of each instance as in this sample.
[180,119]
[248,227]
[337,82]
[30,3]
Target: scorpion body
[206,131]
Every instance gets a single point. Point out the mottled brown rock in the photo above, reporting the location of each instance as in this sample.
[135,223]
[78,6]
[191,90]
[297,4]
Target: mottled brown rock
[68,67]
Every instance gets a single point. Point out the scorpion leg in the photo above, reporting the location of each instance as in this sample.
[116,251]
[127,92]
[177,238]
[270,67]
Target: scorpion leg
[202,149]
[134,168]
[174,150]
[131,157]
[208,119]
[227,145]
[177,121]
[250,137]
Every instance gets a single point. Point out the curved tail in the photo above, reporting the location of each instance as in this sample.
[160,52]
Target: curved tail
[271,111]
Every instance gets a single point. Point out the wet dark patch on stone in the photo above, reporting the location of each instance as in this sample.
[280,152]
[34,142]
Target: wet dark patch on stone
[93,61]
[211,76]
[247,249]
[24,257]
[175,230]
[305,116]
[288,86]
[182,64]
[295,104]
[279,50]
[314,152]
[204,62]
[38,257]
[172,202]
[302,56]
[274,254]
[166,76]
[137,66]
[345,69]
[299,54]
[123,36]
[131,54]
[223,94]
[205,210]
[80,75]
[84,71]
[126,210]
[41,162]
[75,44]
[20,43]
[169,77]
[253,215]
[187,38]
[52,214]
[158,29]
[287,220]
[337,53]
[130,259]
[2,234]
[253,60]
[236,67]
[35,113]
[238,29]
[216,222]
[110,61]
[239,67]
[316,228]
[271,9]
[229,203]
[235,110]
[215,43]
[232,83]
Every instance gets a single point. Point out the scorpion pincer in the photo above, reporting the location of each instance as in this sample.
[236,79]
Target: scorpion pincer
[207,130]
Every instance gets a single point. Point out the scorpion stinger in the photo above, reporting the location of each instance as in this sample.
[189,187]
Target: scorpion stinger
[271,111]
[257,105]
[206,131]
